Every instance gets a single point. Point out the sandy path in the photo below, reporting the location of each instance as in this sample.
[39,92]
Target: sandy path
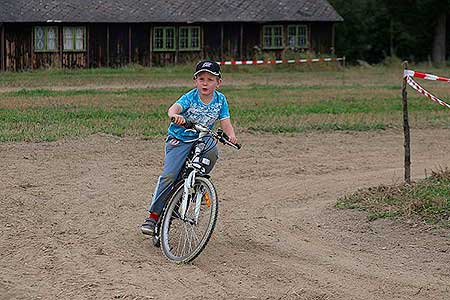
[70,212]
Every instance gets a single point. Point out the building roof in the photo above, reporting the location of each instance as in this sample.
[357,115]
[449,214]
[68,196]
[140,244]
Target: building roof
[177,11]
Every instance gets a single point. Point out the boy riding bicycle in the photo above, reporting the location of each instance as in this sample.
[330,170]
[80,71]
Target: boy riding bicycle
[203,105]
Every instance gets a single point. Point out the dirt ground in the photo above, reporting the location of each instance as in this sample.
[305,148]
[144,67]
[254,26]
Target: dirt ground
[70,212]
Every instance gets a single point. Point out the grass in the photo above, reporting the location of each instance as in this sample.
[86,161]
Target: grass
[56,104]
[427,200]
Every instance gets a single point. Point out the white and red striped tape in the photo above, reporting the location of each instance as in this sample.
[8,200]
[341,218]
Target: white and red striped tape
[412,83]
[278,61]
[411,73]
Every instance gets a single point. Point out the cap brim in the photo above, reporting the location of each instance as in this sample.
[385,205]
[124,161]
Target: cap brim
[209,71]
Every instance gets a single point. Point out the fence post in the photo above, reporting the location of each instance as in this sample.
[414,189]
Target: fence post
[407,142]
[2,48]
[343,70]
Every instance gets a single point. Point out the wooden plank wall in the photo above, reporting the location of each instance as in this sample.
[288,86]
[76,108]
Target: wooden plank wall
[2,48]
[98,46]
[17,48]
[73,60]
[117,45]
[140,44]
[321,38]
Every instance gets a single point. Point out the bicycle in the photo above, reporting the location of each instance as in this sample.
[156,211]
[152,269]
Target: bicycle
[190,213]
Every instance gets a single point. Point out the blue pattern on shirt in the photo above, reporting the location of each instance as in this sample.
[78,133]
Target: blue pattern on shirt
[193,109]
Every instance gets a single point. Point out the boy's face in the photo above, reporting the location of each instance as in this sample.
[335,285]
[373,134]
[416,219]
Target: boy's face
[206,83]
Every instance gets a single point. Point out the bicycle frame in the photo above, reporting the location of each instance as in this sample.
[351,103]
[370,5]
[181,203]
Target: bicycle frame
[196,167]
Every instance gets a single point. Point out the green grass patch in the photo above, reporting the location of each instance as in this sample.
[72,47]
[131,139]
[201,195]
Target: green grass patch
[49,124]
[48,115]
[36,93]
[427,200]
[55,104]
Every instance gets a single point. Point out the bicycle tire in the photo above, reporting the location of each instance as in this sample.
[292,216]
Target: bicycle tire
[172,226]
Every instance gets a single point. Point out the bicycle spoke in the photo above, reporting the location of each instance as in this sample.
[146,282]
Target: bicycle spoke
[179,241]
[183,239]
[195,235]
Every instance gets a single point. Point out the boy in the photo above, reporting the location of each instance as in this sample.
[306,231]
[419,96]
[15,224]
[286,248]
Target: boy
[202,105]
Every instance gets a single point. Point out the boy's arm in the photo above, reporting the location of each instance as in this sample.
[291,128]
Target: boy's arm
[228,129]
[174,112]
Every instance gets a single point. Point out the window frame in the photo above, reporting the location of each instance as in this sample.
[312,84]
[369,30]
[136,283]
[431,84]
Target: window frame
[46,30]
[164,29]
[74,38]
[189,38]
[272,36]
[297,35]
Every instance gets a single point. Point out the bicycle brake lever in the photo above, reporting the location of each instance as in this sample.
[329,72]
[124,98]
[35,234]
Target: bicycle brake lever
[224,139]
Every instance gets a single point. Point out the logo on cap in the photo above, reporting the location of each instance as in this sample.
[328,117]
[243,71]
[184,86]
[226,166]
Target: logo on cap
[208,66]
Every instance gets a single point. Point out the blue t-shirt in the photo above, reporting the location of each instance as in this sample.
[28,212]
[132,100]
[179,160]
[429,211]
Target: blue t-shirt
[194,110]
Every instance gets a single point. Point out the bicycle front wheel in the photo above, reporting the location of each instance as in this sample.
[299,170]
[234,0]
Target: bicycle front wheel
[182,240]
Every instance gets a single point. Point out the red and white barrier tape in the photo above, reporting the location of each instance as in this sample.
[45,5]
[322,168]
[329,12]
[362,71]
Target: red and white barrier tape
[278,61]
[411,73]
[424,92]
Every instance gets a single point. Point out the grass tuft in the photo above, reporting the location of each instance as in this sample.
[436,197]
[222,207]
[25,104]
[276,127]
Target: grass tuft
[427,200]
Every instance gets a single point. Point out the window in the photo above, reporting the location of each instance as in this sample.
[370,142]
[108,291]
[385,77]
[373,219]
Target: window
[189,38]
[74,38]
[298,36]
[45,39]
[272,36]
[164,39]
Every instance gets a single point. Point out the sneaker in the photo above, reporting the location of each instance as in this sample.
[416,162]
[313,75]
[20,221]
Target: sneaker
[148,227]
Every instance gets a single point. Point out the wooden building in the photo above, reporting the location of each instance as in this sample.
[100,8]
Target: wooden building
[100,33]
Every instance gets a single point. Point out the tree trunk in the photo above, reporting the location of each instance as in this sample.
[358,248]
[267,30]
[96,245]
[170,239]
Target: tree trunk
[438,51]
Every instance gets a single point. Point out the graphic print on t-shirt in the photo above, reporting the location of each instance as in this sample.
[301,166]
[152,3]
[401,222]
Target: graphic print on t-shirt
[202,114]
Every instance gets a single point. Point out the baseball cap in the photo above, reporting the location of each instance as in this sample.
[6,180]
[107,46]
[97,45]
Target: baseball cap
[208,66]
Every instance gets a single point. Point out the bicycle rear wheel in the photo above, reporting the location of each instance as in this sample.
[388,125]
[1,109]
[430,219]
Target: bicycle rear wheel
[182,240]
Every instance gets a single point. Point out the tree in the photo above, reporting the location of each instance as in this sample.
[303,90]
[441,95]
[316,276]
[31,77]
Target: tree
[410,29]
[363,33]
[439,39]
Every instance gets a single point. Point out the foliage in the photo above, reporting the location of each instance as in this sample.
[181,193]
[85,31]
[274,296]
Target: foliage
[376,29]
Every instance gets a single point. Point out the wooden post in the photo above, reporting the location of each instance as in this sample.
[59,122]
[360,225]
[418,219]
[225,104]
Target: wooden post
[88,61]
[407,142]
[176,45]
[241,49]
[221,42]
[333,39]
[202,41]
[60,45]
[151,46]
[129,44]
[2,48]
[32,48]
[107,46]
[309,33]
[343,70]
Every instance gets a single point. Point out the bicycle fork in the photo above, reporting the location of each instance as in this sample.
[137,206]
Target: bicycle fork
[188,190]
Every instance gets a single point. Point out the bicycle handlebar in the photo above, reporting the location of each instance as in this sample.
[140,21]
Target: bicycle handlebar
[219,135]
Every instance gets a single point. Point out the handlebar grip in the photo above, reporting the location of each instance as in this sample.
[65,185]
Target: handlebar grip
[187,124]
[225,137]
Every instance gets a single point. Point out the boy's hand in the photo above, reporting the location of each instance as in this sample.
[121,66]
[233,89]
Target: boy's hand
[228,129]
[232,139]
[178,119]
